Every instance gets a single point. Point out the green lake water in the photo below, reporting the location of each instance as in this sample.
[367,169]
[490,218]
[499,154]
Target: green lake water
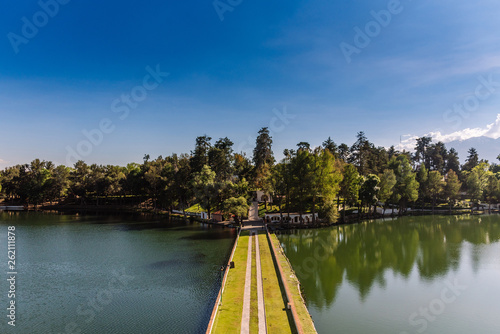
[111,274]
[424,274]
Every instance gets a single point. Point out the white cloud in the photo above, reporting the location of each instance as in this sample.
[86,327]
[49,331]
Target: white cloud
[490,130]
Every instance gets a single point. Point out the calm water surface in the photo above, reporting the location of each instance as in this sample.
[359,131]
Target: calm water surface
[110,274]
[409,275]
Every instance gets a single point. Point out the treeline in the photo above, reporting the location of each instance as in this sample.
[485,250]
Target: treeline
[318,180]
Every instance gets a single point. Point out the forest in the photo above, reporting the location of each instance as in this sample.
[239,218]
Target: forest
[330,180]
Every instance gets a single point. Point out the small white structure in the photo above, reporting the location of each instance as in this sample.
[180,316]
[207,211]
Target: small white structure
[262,196]
[294,218]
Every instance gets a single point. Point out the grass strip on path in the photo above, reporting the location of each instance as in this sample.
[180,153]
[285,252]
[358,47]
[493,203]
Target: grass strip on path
[274,296]
[228,318]
[254,306]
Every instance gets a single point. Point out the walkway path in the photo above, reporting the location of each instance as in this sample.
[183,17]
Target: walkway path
[245,317]
[245,306]
[254,299]
[260,289]
[253,222]
[253,212]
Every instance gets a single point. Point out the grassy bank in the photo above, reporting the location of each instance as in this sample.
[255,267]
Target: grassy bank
[277,319]
[293,284]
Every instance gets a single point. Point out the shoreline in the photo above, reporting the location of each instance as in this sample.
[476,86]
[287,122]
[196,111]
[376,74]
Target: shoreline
[127,209]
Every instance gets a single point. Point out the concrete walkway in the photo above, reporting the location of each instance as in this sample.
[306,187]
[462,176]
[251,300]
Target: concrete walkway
[253,224]
[253,212]
[260,289]
[245,317]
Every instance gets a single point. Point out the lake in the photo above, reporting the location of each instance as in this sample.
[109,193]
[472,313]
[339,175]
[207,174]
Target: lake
[428,274]
[111,274]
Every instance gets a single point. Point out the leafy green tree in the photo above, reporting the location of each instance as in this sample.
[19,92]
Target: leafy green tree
[343,152]
[263,153]
[300,168]
[156,175]
[237,206]
[360,153]
[263,160]
[422,179]
[263,181]
[96,182]
[369,191]
[113,180]
[304,146]
[452,161]
[437,155]
[205,188]
[10,181]
[495,169]
[474,189]
[483,172]
[435,186]
[406,184]
[477,180]
[33,181]
[349,186]
[222,191]
[452,188]
[472,160]
[133,184]
[421,151]
[243,168]
[379,158]
[80,181]
[492,191]
[392,152]
[58,183]
[240,188]
[325,182]
[220,158]
[330,145]
[280,183]
[387,183]
[180,187]
[199,157]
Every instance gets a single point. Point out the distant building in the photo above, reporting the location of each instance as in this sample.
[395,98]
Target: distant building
[294,217]
[218,216]
[262,196]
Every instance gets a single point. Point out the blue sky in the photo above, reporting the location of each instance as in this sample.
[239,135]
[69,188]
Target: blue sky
[429,67]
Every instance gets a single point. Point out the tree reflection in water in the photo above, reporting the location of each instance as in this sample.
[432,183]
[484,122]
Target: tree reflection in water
[363,253]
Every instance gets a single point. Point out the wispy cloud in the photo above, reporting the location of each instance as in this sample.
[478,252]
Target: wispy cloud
[491,130]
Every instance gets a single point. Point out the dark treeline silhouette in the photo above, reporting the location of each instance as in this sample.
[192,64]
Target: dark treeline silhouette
[323,180]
